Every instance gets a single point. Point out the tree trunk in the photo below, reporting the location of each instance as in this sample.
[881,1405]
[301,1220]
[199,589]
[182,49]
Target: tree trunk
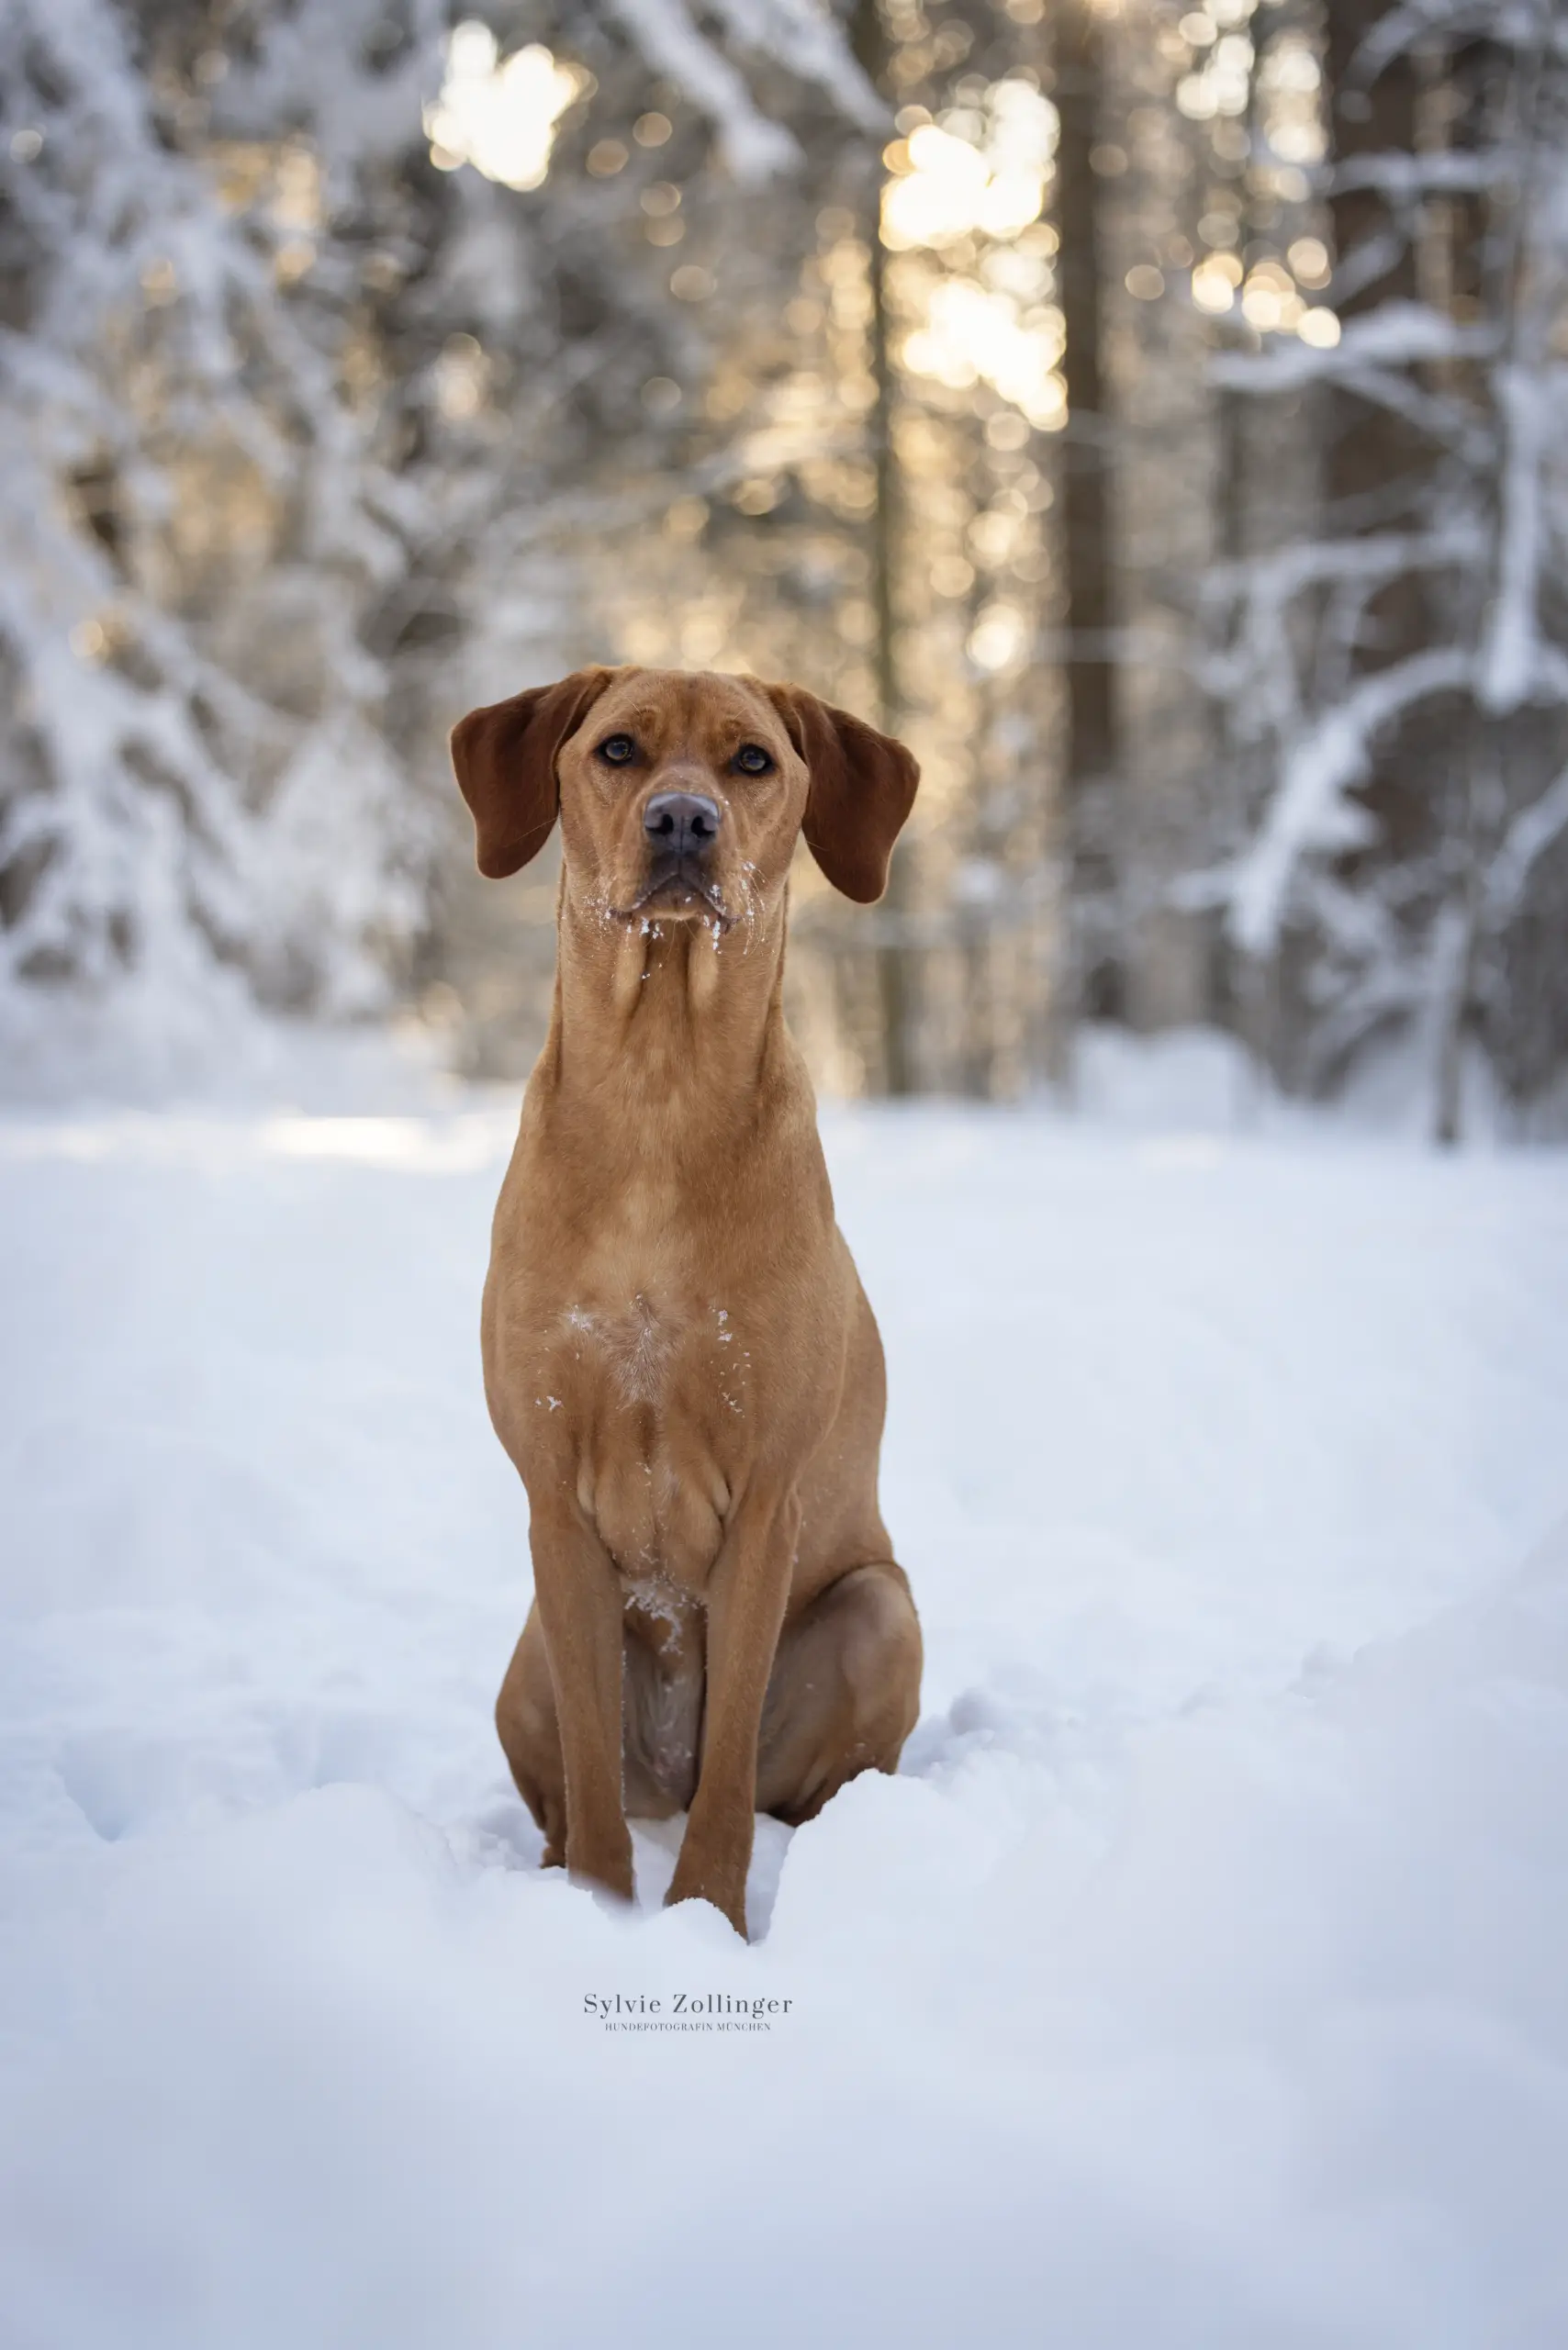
[1092,977]
[1378,464]
[897,980]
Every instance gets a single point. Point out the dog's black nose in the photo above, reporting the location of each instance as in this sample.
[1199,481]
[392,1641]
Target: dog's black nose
[684,821]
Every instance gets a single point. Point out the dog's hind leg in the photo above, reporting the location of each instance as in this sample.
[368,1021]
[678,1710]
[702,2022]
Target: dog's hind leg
[843,1694]
[531,1738]
[663,1718]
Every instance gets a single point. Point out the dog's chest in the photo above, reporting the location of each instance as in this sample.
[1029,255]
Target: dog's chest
[658,1396]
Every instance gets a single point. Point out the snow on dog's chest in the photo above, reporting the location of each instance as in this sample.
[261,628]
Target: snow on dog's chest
[632,1347]
[653,1385]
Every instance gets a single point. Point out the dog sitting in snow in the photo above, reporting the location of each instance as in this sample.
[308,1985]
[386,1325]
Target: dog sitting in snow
[679,1355]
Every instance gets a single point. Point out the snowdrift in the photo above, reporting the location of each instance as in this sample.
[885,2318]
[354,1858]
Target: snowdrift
[1197,1982]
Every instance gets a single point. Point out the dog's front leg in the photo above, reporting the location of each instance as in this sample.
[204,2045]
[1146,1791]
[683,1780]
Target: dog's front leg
[580,1609]
[746,1599]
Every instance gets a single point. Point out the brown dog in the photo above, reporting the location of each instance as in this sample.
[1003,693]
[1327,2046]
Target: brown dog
[679,1355]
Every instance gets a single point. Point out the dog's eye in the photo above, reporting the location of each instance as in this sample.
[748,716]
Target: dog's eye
[617,749]
[752,759]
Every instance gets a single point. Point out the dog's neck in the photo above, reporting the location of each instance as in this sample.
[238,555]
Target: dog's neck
[650,1014]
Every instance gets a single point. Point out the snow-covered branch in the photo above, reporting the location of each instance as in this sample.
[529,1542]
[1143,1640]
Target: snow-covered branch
[1526,400]
[1309,812]
[1533,831]
[1396,334]
[1403,177]
[754,147]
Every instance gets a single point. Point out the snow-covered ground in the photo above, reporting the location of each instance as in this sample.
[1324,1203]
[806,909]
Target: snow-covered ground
[1200,1981]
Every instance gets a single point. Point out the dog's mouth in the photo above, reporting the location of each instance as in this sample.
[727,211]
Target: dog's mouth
[678,889]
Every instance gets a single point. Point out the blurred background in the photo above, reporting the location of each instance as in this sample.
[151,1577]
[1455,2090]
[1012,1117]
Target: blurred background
[1157,413]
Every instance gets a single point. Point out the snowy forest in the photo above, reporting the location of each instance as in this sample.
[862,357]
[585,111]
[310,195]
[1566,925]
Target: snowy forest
[1155,411]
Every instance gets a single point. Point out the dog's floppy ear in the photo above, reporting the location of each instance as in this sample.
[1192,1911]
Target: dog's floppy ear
[504,759]
[862,788]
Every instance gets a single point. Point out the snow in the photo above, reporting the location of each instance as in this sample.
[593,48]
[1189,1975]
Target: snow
[1197,1981]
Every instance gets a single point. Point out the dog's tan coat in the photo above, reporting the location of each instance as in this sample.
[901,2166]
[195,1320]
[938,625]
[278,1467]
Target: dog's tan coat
[679,1355]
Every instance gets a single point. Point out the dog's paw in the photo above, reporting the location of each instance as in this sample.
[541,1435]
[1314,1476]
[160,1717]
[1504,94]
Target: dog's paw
[726,1899]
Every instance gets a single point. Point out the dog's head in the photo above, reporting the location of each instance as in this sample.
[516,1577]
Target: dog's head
[681,794]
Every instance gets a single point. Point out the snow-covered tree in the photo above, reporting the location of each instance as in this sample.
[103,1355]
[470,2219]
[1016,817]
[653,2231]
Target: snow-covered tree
[309,419]
[1402,677]
[196,778]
